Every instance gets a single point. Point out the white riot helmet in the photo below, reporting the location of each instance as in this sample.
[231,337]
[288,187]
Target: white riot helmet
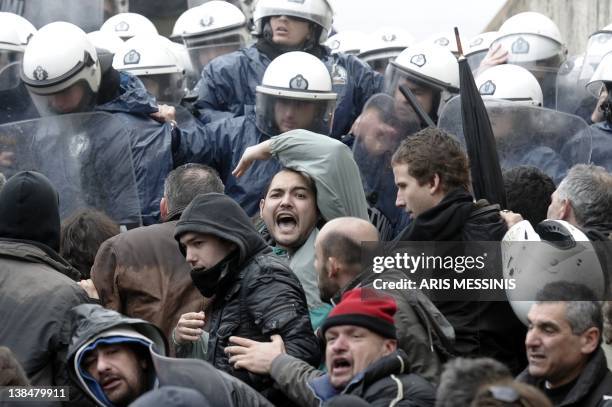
[15,31]
[384,45]
[552,252]
[599,44]
[295,92]
[150,58]
[212,29]
[106,40]
[49,69]
[510,82]
[532,40]
[127,25]
[444,39]
[477,48]
[602,75]
[319,12]
[346,42]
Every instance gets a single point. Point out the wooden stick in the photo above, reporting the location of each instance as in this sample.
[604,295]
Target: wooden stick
[459,47]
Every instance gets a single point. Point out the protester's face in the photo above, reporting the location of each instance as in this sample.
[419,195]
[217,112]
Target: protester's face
[423,95]
[376,136]
[327,287]
[289,209]
[411,196]
[553,351]
[68,100]
[351,349]
[204,251]
[116,367]
[288,31]
[293,114]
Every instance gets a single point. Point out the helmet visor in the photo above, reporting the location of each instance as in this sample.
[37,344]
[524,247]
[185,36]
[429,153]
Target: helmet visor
[276,115]
[76,98]
[169,87]
[204,50]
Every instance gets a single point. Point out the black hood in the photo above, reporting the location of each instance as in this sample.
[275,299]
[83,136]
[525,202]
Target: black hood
[220,216]
[29,210]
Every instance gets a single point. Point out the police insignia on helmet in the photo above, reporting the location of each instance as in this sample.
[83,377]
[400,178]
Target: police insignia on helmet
[389,37]
[418,60]
[207,21]
[487,88]
[442,41]
[476,42]
[122,26]
[131,58]
[298,82]
[40,74]
[520,46]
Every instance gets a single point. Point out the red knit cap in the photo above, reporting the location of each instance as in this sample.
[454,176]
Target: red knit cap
[367,308]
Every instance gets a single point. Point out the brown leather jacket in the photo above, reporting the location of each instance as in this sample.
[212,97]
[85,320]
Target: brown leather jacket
[141,273]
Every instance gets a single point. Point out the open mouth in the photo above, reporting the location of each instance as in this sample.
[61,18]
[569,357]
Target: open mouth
[341,366]
[286,222]
[536,357]
[110,383]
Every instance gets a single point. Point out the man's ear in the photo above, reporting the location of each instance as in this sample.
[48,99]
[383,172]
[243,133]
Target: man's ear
[434,184]
[589,340]
[163,208]
[567,212]
[390,346]
[334,267]
[262,203]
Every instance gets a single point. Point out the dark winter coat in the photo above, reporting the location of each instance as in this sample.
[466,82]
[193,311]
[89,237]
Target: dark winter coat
[384,383]
[256,294]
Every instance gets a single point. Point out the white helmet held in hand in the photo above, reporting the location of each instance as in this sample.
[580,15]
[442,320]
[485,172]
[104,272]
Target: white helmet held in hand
[532,39]
[295,92]
[49,69]
[510,82]
[319,12]
[212,29]
[554,251]
[386,43]
[127,25]
[150,58]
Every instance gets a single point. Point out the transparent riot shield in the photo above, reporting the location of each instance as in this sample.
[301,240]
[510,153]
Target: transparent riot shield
[572,95]
[87,14]
[377,133]
[528,135]
[15,101]
[86,156]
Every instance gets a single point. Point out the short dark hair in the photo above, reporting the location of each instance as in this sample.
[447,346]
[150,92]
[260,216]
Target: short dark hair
[462,378]
[81,236]
[433,151]
[339,245]
[188,181]
[528,191]
[310,183]
[581,311]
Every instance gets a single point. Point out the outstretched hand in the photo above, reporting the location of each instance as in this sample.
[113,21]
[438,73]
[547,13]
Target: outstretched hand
[261,151]
[256,357]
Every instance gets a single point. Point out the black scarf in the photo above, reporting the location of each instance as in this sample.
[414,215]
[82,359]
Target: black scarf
[443,222]
[210,281]
[271,50]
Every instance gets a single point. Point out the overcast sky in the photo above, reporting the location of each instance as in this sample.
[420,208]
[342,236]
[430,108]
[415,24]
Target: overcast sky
[421,18]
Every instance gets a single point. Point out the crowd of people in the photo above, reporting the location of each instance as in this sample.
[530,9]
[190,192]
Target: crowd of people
[186,220]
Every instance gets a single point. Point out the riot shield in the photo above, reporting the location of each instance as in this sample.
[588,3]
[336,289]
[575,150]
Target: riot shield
[87,14]
[572,95]
[528,135]
[15,101]
[86,156]
[377,133]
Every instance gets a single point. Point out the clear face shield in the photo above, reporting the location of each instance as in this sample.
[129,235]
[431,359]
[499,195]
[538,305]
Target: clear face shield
[205,48]
[431,95]
[572,94]
[8,57]
[167,87]
[599,45]
[476,58]
[277,114]
[541,56]
[77,98]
